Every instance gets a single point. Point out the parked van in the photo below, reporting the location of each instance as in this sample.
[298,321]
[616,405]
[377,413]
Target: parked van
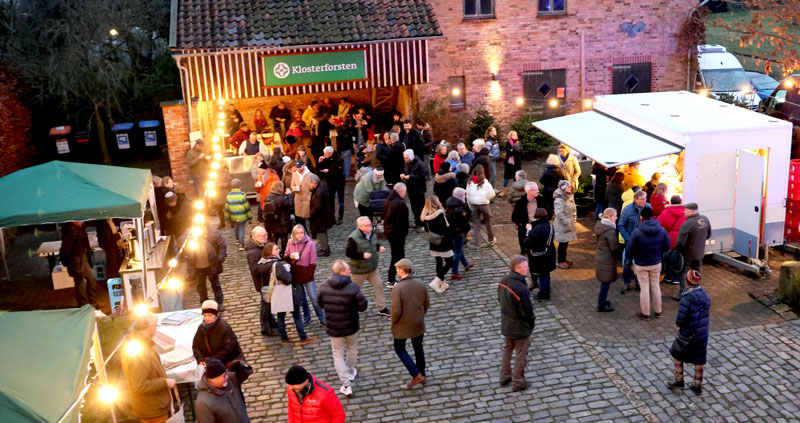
[719,72]
[784,103]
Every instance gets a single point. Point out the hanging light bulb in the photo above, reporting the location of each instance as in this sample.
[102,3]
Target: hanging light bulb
[213,175]
[192,245]
[215,165]
[221,101]
[141,309]
[199,219]
[108,394]
[221,124]
[216,147]
[197,231]
[217,156]
[133,347]
[220,131]
[221,115]
[173,284]
[553,103]
[199,204]
[211,193]
[173,262]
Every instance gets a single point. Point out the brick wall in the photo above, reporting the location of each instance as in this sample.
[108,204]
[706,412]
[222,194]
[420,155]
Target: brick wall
[517,39]
[176,123]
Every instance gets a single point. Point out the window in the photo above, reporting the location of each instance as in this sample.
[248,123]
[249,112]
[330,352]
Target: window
[457,96]
[545,91]
[479,9]
[552,7]
[633,78]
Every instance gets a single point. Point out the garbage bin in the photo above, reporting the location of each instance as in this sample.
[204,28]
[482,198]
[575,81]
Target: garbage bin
[137,291]
[84,149]
[60,136]
[124,134]
[150,130]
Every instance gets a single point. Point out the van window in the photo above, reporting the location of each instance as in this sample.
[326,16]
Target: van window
[725,80]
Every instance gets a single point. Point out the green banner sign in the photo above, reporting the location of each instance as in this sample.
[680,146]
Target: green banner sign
[315,68]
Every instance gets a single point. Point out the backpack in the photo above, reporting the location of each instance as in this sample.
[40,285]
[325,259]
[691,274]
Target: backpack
[270,208]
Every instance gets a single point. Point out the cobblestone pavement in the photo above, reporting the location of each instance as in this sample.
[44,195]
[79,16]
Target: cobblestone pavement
[584,366]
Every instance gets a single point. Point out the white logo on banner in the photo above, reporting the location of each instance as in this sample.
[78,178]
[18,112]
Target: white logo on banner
[281,70]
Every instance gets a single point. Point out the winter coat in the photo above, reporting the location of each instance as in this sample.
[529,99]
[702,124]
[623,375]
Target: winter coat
[357,245]
[516,310]
[629,221]
[437,224]
[265,271]
[692,321]
[177,219]
[215,405]
[267,177]
[692,237]
[381,151]
[334,177]
[75,252]
[218,341]
[513,160]
[600,183]
[417,172]
[479,195]
[366,184]
[302,198]
[395,217]
[223,186]
[571,169]
[342,300]
[253,252]
[633,179]
[322,217]
[288,171]
[462,179]
[541,250]
[551,176]
[605,253]
[648,243]
[627,199]
[281,221]
[320,405]
[394,163]
[438,159]
[564,214]
[519,215]
[671,219]
[482,158]
[148,394]
[443,185]
[237,208]
[516,190]
[198,167]
[410,302]
[614,197]
[413,140]
[216,247]
[469,160]
[308,254]
[459,216]
[658,202]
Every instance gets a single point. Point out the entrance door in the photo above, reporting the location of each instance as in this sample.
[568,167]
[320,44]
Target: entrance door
[633,78]
[748,203]
[540,88]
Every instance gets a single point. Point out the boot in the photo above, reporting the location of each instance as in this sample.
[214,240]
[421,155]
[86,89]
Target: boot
[436,285]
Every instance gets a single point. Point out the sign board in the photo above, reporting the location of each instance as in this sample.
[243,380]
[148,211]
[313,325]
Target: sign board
[194,136]
[315,68]
[150,139]
[123,142]
[62,146]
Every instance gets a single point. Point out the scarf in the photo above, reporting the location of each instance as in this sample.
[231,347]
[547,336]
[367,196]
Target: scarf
[564,158]
[432,215]
[607,222]
[208,325]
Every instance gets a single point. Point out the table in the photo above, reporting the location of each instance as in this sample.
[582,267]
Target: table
[50,249]
[183,336]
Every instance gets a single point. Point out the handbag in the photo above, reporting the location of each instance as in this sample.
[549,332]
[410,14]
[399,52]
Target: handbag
[434,238]
[175,416]
[266,291]
[546,247]
[680,347]
[303,274]
[282,299]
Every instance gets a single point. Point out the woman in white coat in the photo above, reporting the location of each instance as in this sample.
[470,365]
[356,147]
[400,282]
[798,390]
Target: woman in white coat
[479,193]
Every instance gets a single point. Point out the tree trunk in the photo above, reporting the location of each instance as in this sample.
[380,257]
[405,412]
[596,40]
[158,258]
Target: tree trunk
[101,134]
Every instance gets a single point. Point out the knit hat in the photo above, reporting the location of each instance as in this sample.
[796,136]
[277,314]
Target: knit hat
[647,213]
[693,276]
[378,171]
[409,153]
[404,264]
[296,375]
[214,367]
[210,306]
[563,184]
[691,206]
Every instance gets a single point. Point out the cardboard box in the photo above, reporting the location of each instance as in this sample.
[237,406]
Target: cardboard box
[61,279]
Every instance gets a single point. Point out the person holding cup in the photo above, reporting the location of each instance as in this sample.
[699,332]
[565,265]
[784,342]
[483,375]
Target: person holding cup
[301,253]
[301,186]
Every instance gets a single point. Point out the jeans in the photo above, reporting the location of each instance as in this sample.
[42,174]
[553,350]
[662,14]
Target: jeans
[282,125]
[505,183]
[265,316]
[520,348]
[443,264]
[398,249]
[417,368]
[458,254]
[627,267]
[200,276]
[347,156]
[238,231]
[544,285]
[91,290]
[648,280]
[602,299]
[562,251]
[481,213]
[599,210]
[310,290]
[492,171]
[296,316]
[345,368]
[340,193]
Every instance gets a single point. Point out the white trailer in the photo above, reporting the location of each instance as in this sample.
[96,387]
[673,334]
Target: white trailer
[732,162]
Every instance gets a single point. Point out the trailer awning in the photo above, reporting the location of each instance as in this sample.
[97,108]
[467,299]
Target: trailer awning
[606,140]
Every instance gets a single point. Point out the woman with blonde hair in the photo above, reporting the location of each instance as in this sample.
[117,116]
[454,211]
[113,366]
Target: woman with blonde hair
[301,253]
[605,256]
[440,240]
[439,156]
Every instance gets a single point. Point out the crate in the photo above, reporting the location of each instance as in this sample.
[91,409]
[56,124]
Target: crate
[61,279]
[116,291]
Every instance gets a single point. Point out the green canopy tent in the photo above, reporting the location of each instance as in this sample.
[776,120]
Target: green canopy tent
[45,363]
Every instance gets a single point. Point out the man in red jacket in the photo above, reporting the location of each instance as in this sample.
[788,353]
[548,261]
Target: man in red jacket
[311,400]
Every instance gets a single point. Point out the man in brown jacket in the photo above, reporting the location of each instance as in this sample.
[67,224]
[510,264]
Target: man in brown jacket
[301,185]
[148,386]
[410,302]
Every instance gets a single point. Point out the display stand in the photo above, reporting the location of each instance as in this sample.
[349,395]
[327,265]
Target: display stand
[155,268]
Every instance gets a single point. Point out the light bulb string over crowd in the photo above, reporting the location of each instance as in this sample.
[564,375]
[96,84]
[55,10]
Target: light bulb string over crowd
[108,393]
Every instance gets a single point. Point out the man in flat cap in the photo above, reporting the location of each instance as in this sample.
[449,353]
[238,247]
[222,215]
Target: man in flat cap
[692,242]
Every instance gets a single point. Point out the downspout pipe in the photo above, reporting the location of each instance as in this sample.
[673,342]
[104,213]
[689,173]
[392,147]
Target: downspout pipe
[689,53]
[185,89]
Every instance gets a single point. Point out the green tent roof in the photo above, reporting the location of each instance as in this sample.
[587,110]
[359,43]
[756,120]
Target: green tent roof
[45,362]
[62,191]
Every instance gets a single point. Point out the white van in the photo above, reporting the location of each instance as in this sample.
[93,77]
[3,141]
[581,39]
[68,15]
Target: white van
[720,72]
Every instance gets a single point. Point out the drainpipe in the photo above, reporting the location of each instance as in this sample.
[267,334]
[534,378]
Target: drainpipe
[184,89]
[689,54]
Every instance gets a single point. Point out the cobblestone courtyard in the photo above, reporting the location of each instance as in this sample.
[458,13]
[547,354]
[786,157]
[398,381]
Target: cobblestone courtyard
[584,366]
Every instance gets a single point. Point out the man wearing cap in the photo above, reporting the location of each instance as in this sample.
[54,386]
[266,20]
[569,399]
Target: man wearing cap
[176,216]
[206,261]
[310,399]
[197,161]
[330,167]
[362,249]
[237,211]
[219,395]
[342,300]
[215,338]
[410,302]
[370,182]
[301,186]
[414,176]
[517,320]
[148,385]
[692,322]
[692,242]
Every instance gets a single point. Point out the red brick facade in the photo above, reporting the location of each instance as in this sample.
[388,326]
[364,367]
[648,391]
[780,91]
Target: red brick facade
[176,122]
[518,40]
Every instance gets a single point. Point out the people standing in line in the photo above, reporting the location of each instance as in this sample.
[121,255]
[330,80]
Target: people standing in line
[517,188]
[279,119]
[215,338]
[322,217]
[458,215]
[395,227]
[219,395]
[278,210]
[517,321]
[254,251]
[628,222]
[691,242]
[647,245]
[479,195]
[410,302]
[205,262]
[223,187]
[524,213]
[414,176]
[632,177]
[444,182]
[614,192]
[540,249]
[301,254]
[301,186]
[197,160]
[564,222]
[440,241]
[650,186]
[481,157]
[440,156]
[362,249]
[659,199]
[310,399]
[76,254]
[569,165]
[269,263]
[465,156]
[513,161]
[551,176]
[693,323]
[372,181]
[237,211]
[147,381]
[672,219]
[330,168]
[342,300]
[605,256]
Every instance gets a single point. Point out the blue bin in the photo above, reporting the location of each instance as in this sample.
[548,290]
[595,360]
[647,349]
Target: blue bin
[152,137]
[116,292]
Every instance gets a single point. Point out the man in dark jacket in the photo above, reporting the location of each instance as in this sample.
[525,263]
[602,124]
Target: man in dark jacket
[219,396]
[176,215]
[524,211]
[394,163]
[342,300]
[645,247]
[692,242]
[321,218]
[413,139]
[253,250]
[516,323]
[76,255]
[444,183]
[205,261]
[410,302]
[215,338]
[459,216]
[414,178]
[628,222]
[395,226]
[278,209]
[481,155]
[330,170]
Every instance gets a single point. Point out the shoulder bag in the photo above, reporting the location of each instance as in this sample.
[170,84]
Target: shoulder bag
[266,290]
[546,247]
[175,412]
[434,238]
[680,348]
